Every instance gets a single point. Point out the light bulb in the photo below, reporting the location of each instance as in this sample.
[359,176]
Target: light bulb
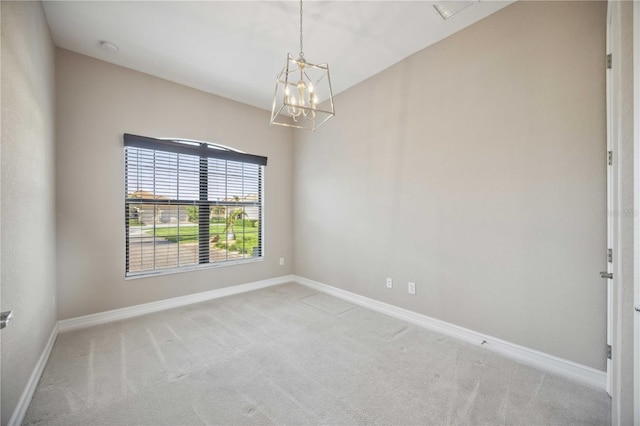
[286,96]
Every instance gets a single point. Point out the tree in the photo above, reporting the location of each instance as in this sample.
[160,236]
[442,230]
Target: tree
[237,214]
[192,212]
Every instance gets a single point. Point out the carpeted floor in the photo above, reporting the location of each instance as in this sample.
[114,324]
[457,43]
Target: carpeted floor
[287,354]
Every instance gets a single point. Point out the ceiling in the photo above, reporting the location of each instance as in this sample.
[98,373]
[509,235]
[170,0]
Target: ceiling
[235,49]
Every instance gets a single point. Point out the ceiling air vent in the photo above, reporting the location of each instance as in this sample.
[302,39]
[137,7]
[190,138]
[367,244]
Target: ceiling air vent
[446,9]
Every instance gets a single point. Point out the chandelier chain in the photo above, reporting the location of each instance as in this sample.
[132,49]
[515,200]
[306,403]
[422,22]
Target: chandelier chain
[301,52]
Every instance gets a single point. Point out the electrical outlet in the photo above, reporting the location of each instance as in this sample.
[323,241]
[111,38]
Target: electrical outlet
[412,288]
[389,283]
[281,261]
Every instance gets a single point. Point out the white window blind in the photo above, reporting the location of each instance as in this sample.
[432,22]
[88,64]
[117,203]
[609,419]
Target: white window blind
[189,204]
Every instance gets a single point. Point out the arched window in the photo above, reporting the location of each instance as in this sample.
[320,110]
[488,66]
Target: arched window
[190,204]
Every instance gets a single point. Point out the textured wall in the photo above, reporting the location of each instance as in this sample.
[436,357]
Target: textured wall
[476,169]
[27,220]
[97,102]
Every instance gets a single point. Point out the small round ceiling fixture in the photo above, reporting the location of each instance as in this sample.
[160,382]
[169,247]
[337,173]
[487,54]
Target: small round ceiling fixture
[108,46]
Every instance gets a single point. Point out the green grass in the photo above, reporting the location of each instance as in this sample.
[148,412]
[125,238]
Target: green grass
[243,244]
[189,234]
[185,234]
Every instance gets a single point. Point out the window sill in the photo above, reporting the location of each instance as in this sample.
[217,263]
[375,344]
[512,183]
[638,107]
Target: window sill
[172,271]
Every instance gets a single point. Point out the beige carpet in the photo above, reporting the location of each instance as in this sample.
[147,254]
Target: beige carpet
[289,355]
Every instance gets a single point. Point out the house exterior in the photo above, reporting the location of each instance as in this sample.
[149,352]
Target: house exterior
[148,212]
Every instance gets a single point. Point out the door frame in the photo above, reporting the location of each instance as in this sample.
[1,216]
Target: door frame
[636,205]
[611,112]
[621,296]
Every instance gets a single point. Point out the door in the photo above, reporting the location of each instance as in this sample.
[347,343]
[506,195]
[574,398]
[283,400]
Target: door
[611,129]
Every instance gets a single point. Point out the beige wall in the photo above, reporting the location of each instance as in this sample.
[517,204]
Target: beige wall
[476,169]
[96,103]
[27,218]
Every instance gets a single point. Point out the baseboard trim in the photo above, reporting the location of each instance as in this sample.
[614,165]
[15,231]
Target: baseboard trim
[544,361]
[161,305]
[550,363]
[25,399]
[119,314]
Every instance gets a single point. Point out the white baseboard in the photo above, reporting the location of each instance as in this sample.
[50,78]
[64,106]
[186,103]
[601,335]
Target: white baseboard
[25,399]
[532,357]
[119,314]
[161,305]
[544,361]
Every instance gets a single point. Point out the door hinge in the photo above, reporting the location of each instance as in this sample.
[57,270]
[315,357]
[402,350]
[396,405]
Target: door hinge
[5,317]
[608,351]
[610,255]
[609,61]
[610,158]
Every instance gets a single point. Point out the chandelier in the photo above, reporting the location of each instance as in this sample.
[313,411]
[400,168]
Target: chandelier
[303,98]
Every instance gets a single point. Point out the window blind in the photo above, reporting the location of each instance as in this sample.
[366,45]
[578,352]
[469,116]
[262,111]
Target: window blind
[190,203]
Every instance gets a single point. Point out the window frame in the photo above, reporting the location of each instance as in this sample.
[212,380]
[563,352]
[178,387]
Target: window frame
[203,151]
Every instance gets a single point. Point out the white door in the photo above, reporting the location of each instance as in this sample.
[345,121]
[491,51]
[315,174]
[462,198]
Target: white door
[611,129]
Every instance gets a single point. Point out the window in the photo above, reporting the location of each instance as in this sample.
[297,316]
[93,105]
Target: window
[189,204]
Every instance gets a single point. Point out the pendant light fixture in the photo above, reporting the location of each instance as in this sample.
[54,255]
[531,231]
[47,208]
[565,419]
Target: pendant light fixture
[303,98]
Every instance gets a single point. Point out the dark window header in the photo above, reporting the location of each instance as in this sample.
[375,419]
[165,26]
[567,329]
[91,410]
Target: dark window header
[201,150]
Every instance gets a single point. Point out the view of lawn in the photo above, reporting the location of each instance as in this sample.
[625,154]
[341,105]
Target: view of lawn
[243,244]
[246,235]
[186,234]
